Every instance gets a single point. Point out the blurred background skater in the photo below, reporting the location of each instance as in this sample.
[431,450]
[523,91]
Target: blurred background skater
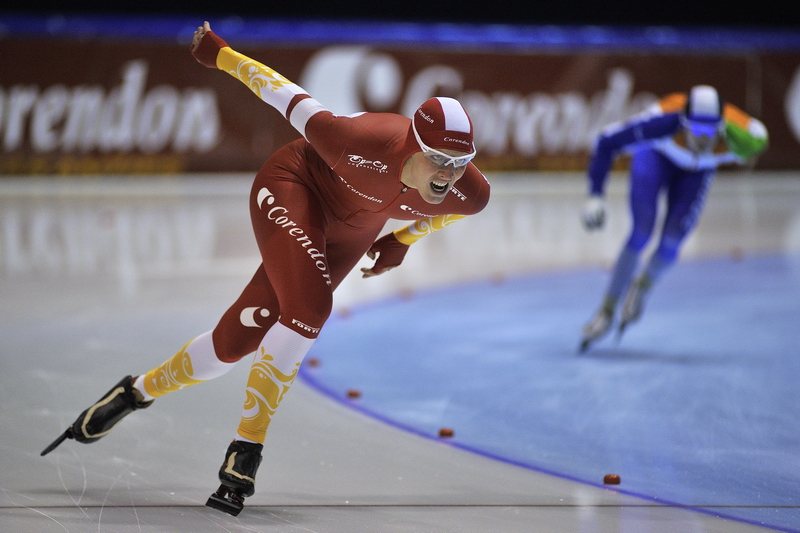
[676,148]
[317,207]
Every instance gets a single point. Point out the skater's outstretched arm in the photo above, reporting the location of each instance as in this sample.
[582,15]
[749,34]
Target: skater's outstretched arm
[291,100]
[613,140]
[297,106]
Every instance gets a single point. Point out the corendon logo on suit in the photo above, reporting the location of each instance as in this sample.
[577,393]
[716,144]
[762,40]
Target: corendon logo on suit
[361,194]
[414,212]
[280,216]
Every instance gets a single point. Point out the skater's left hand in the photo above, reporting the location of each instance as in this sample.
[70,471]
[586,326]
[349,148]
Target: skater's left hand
[390,253]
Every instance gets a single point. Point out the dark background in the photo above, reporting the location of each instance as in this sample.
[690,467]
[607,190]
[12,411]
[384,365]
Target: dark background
[740,13]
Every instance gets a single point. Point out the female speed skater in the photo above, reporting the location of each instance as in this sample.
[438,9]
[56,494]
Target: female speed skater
[317,206]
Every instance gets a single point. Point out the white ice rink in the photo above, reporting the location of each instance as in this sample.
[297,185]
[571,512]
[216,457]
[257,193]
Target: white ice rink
[102,277]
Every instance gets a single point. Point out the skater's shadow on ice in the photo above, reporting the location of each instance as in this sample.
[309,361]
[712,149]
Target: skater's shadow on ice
[645,355]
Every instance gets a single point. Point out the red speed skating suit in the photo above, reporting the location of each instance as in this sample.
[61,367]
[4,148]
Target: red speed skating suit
[318,204]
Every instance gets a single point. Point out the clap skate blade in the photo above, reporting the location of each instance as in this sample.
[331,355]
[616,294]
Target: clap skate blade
[99,419]
[596,328]
[64,436]
[226,500]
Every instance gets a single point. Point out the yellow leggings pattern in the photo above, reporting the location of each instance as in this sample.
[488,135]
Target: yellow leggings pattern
[266,386]
[174,374]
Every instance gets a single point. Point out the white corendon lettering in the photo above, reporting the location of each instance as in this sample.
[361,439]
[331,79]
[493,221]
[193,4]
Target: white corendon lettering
[528,124]
[280,215]
[282,221]
[118,120]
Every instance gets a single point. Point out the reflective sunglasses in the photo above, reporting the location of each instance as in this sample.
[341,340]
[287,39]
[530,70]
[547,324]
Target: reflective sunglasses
[441,159]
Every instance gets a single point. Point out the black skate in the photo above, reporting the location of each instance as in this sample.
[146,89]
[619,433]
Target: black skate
[238,477]
[99,419]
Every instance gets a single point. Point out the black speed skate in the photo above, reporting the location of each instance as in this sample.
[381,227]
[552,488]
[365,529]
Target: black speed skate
[238,477]
[99,419]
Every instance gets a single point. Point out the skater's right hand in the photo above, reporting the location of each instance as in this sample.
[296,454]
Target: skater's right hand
[594,213]
[389,252]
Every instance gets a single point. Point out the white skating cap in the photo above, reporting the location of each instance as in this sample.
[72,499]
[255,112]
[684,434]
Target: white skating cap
[704,104]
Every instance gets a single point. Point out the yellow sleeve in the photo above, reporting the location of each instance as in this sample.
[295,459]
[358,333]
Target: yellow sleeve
[418,229]
[266,83]
[271,87]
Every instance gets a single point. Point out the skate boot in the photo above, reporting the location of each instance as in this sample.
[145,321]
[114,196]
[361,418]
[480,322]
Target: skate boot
[99,419]
[598,326]
[633,305]
[238,477]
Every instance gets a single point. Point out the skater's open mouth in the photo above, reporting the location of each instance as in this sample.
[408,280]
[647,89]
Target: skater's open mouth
[439,187]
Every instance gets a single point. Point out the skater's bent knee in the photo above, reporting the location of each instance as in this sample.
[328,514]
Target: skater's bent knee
[307,319]
[231,348]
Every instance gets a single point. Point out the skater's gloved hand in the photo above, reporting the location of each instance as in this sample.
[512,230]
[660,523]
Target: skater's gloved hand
[390,253]
[206,45]
[594,213]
